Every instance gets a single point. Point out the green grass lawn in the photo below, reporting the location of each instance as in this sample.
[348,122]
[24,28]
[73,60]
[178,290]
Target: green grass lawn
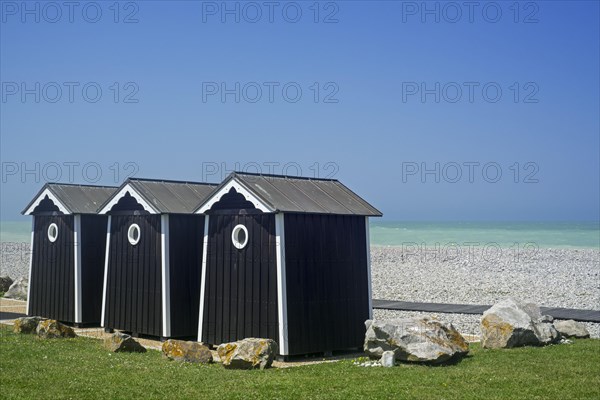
[81,368]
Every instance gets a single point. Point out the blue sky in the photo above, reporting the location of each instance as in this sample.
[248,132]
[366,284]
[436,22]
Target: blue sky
[379,81]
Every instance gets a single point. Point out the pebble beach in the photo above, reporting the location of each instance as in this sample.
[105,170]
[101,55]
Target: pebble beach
[567,278]
[14,259]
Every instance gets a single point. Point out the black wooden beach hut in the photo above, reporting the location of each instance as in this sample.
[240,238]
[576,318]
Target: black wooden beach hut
[285,258]
[67,252]
[153,257]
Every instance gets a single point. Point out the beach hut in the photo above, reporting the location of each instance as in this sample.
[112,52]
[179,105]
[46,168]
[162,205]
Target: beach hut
[67,252]
[285,258]
[153,258]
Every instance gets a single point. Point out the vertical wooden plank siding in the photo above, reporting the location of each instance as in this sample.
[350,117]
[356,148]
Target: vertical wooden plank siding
[133,289]
[93,247]
[327,288]
[186,244]
[52,270]
[240,298]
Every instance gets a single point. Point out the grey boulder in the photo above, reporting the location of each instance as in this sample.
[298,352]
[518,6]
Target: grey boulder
[388,359]
[52,329]
[180,350]
[26,324]
[248,353]
[18,289]
[121,342]
[414,340]
[5,283]
[572,329]
[511,323]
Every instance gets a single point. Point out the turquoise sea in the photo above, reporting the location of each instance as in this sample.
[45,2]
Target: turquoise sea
[504,234]
[15,231]
[388,233]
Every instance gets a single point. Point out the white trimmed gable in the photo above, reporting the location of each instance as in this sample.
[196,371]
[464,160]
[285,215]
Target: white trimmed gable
[127,189]
[241,189]
[51,196]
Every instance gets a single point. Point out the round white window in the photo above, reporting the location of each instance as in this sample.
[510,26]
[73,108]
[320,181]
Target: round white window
[133,234]
[52,232]
[239,236]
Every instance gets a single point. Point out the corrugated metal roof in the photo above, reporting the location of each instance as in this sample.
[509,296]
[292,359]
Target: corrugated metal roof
[171,196]
[78,199]
[303,195]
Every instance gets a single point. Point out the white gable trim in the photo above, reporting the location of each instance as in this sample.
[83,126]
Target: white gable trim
[235,184]
[203,279]
[106,265]
[281,284]
[166,282]
[77,272]
[52,197]
[128,189]
[368,250]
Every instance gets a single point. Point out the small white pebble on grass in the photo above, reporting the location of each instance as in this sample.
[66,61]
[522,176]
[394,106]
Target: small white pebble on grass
[367,363]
